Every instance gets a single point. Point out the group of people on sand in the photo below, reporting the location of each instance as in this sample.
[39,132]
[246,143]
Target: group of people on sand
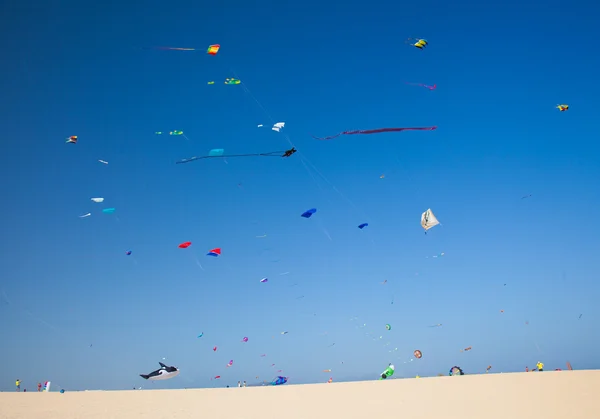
[18,385]
[241,385]
[538,367]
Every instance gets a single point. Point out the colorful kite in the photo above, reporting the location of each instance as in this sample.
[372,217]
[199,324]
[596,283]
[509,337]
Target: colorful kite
[264,280]
[423,85]
[214,349]
[308,213]
[128,252]
[176,133]
[418,354]
[72,139]
[361,226]
[218,153]
[211,82]
[230,363]
[428,220]
[388,327]
[455,371]
[163,373]
[213,49]
[245,339]
[466,349]
[279,381]
[376,131]
[214,252]
[185,245]
[232,81]
[561,108]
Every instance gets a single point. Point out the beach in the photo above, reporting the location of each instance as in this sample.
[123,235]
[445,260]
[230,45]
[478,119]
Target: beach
[547,395]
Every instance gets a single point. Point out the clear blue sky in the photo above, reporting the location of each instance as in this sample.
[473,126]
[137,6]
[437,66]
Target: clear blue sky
[90,70]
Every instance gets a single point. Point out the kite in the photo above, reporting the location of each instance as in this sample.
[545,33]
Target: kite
[330,380]
[418,354]
[215,154]
[423,85]
[128,252]
[200,335]
[214,252]
[436,325]
[185,245]
[176,49]
[97,199]
[278,381]
[277,126]
[466,349]
[376,131]
[526,196]
[455,371]
[561,108]
[103,161]
[214,349]
[308,213]
[72,139]
[176,133]
[158,132]
[388,372]
[489,367]
[163,373]
[109,210]
[213,49]
[259,125]
[388,327]
[211,82]
[217,377]
[428,220]
[85,215]
[245,339]
[232,81]
[283,333]
[230,363]
[264,280]
[363,225]
[420,43]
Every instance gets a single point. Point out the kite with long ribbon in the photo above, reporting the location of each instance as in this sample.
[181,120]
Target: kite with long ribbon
[219,154]
[376,131]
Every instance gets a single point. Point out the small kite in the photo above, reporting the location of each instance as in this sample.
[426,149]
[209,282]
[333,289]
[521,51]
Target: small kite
[388,372]
[423,85]
[326,370]
[278,126]
[214,252]
[376,131]
[418,354]
[218,153]
[264,280]
[436,325]
[72,139]
[128,252]
[214,349]
[158,132]
[466,349]
[283,333]
[428,220]
[561,108]
[163,373]
[98,199]
[363,225]
[308,213]
[176,133]
[217,377]
[259,125]
[245,339]
[526,196]
[455,371]
[279,381]
[213,49]
[489,367]
[417,43]
[109,210]
[388,327]
[211,82]
[176,49]
[200,335]
[230,363]
[85,215]
[185,245]
[103,161]
[232,81]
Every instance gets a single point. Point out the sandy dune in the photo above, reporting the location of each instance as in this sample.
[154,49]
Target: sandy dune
[547,395]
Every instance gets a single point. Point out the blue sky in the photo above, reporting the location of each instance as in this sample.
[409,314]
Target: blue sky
[91,71]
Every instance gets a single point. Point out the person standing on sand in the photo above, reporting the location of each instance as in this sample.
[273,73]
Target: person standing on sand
[18,384]
[244,383]
[526,369]
[540,366]
[239,383]
[39,387]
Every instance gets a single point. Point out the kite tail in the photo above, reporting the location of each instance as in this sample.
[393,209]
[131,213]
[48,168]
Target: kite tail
[327,138]
[144,376]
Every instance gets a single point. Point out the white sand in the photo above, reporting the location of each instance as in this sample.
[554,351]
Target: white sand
[545,395]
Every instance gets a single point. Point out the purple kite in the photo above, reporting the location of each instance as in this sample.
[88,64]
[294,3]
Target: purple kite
[376,131]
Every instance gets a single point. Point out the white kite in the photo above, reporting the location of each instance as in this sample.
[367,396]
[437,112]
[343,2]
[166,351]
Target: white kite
[428,220]
[98,199]
[277,127]
[103,161]
[260,125]
[85,215]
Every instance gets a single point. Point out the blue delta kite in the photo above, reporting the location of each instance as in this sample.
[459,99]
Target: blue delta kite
[163,373]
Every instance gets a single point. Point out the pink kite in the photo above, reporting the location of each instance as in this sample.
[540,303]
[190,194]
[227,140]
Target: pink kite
[245,339]
[230,363]
[215,349]
[423,85]
[185,245]
[376,131]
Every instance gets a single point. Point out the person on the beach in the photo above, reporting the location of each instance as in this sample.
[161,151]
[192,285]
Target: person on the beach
[18,384]
[239,383]
[526,369]
[540,366]
[244,383]
[40,387]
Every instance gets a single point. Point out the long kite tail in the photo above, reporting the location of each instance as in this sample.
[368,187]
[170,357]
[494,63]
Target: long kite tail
[377,131]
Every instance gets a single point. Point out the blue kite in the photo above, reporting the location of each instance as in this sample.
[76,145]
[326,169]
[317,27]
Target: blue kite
[363,225]
[309,213]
